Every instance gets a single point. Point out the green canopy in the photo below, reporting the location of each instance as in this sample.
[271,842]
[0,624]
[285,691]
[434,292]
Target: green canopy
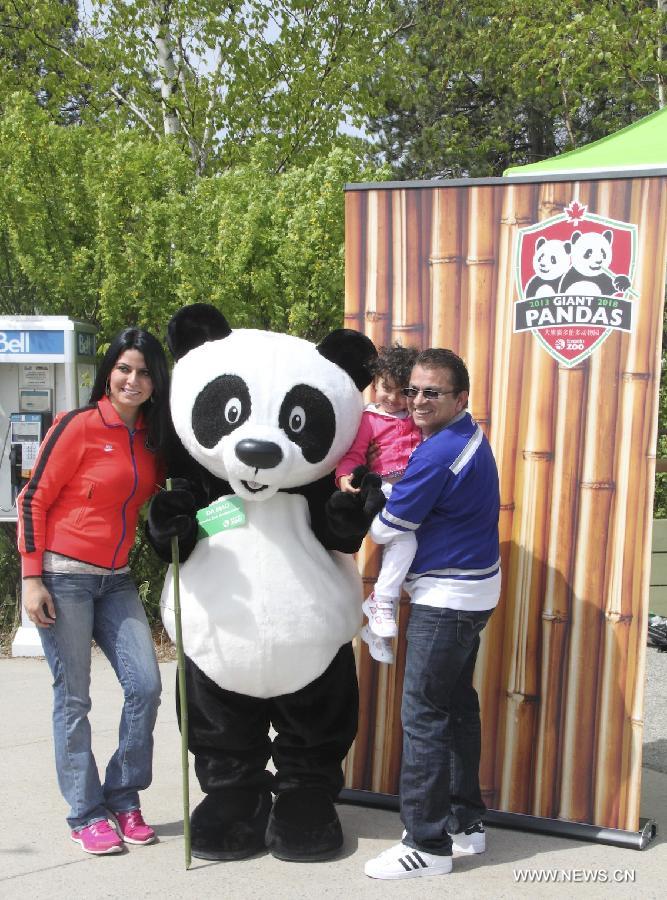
[642,145]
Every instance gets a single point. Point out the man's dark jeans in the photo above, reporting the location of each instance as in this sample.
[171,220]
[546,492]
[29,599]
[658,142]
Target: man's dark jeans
[439,788]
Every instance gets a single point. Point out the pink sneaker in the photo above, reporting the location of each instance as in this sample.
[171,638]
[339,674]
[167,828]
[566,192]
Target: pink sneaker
[133,829]
[98,838]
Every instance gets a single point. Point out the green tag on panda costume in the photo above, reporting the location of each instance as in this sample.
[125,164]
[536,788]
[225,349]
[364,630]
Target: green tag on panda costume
[221,515]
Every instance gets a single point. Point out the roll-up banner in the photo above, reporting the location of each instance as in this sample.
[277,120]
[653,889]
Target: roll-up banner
[552,290]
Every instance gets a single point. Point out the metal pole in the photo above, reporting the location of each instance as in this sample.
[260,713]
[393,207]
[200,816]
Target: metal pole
[581,831]
[183,699]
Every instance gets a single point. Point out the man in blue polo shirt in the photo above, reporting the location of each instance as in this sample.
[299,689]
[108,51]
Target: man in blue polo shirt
[449,497]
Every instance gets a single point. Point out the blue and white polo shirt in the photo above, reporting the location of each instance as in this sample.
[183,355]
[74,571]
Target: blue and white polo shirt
[449,497]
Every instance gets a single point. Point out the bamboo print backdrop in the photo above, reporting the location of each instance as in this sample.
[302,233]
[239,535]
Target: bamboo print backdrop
[561,669]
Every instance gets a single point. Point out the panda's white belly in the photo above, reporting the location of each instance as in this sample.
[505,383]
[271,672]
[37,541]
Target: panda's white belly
[584,287]
[265,607]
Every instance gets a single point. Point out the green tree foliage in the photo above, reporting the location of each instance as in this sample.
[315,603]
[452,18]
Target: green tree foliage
[116,228]
[10,580]
[218,77]
[490,83]
[35,58]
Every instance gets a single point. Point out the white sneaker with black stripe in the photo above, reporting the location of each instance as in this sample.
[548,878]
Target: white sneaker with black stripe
[472,840]
[401,861]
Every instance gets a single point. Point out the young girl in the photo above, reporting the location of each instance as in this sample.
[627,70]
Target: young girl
[387,424]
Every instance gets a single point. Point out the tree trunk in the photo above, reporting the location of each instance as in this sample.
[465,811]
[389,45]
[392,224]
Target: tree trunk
[164,44]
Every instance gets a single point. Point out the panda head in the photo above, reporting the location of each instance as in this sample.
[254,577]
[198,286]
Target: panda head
[551,259]
[591,252]
[264,411]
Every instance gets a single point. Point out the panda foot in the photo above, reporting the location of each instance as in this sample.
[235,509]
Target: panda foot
[230,824]
[304,826]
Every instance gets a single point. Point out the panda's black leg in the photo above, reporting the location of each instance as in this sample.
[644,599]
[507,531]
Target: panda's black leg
[315,729]
[228,736]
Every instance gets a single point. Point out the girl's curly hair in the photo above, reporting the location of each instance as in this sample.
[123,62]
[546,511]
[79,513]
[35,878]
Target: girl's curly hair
[395,362]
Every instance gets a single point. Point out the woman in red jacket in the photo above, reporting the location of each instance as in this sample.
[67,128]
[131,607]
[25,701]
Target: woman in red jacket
[77,522]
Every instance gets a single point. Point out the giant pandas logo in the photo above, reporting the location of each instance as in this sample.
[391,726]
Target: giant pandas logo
[574,276]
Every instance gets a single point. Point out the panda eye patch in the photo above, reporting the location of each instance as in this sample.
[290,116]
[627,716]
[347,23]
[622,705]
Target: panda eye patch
[308,419]
[219,409]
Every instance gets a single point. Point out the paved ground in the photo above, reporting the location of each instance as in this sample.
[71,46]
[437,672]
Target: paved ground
[655,715]
[37,860]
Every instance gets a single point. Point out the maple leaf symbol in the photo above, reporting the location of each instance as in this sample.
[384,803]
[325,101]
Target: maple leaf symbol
[575,212]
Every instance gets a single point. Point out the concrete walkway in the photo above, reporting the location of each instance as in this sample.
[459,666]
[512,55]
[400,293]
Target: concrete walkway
[37,859]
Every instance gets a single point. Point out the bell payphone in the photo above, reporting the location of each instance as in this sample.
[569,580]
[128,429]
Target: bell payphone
[47,365]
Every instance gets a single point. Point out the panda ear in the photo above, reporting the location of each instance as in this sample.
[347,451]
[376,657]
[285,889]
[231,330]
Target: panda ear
[353,352]
[540,241]
[575,236]
[194,325]
[608,236]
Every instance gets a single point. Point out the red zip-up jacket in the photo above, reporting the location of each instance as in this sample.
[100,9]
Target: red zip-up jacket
[91,477]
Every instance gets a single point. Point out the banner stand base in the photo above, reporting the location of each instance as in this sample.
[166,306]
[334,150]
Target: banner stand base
[580,831]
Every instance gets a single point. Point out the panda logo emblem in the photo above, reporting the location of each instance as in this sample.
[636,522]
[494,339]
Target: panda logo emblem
[551,261]
[574,276]
[589,271]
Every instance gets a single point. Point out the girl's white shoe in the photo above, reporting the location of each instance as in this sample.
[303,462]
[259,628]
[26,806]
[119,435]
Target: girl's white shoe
[381,612]
[379,647]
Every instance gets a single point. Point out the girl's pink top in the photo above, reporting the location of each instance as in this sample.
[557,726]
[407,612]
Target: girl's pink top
[395,437]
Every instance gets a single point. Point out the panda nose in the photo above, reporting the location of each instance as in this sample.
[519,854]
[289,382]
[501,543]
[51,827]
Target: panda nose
[259,454]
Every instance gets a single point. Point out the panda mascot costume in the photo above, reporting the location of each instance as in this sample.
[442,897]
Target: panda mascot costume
[270,594]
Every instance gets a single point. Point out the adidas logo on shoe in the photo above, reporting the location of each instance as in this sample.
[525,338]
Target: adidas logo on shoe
[401,861]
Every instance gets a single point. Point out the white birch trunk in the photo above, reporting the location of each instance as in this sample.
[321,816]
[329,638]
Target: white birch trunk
[164,44]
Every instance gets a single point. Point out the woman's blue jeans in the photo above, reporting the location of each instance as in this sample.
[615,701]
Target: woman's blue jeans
[108,609]
[439,785]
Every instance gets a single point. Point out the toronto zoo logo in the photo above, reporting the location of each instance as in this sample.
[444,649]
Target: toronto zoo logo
[574,275]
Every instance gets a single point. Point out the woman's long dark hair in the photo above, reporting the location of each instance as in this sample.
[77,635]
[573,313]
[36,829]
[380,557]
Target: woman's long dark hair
[156,409]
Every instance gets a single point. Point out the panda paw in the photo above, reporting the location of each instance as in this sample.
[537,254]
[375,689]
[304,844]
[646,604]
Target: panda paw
[172,514]
[350,515]
[622,282]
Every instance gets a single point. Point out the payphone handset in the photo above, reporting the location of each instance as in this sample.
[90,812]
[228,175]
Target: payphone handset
[27,431]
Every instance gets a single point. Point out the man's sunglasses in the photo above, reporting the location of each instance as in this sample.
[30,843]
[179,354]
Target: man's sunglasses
[428,393]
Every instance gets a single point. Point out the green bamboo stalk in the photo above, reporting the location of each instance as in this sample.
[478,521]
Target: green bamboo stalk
[183,699]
